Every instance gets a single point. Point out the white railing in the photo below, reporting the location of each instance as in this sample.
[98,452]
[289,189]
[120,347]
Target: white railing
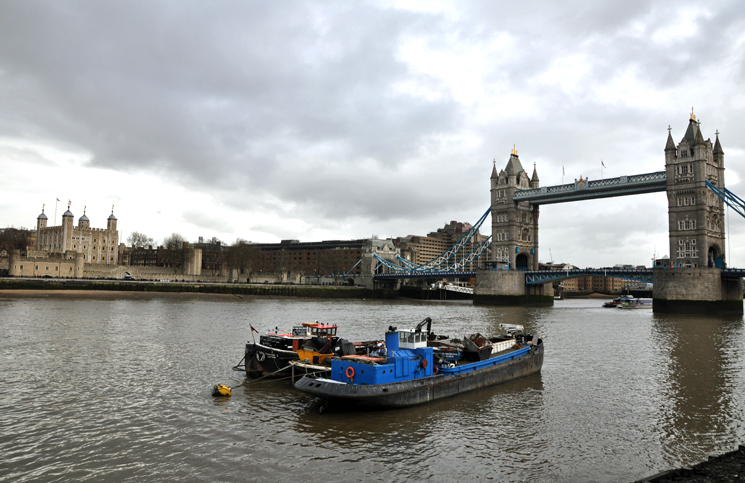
[456,288]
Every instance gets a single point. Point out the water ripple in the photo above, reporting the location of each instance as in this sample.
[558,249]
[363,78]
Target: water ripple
[119,390]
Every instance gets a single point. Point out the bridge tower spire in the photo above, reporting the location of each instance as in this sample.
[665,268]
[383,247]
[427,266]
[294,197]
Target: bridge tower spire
[695,213]
[514,224]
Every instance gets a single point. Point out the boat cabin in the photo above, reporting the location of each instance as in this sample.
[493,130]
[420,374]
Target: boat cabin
[321,330]
[407,357]
[411,339]
[293,340]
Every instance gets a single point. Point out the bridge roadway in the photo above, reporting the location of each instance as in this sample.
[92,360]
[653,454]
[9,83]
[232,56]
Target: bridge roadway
[394,276]
[590,190]
[533,277]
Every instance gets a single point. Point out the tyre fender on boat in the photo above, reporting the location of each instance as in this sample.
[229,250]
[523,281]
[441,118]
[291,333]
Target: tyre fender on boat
[436,370]
[350,372]
[423,363]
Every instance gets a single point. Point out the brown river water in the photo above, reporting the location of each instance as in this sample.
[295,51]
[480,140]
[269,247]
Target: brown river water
[120,390]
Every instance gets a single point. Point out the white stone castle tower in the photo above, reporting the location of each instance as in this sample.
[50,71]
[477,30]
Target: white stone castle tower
[95,245]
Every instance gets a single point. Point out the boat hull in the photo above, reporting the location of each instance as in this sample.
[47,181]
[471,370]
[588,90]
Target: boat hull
[419,391]
[262,360]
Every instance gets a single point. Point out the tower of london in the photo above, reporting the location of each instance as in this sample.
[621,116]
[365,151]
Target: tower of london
[98,246]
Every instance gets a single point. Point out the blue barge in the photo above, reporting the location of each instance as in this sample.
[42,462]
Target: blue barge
[409,372]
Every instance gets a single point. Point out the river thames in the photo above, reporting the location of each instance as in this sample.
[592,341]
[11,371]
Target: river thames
[120,390]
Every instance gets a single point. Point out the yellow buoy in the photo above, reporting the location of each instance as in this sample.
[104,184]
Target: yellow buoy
[221,390]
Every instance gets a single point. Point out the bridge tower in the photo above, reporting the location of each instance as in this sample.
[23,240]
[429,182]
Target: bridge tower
[514,242]
[696,284]
[514,224]
[695,213]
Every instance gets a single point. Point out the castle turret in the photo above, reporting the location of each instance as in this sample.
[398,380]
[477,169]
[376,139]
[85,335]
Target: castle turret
[41,224]
[718,153]
[670,149]
[83,221]
[41,220]
[79,265]
[111,221]
[534,181]
[13,263]
[67,228]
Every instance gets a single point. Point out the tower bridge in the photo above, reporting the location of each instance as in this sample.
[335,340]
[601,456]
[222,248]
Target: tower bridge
[697,278]
[694,182]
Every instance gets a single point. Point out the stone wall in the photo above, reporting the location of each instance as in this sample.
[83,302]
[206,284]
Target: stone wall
[502,282]
[147,273]
[507,287]
[688,284]
[40,267]
[696,290]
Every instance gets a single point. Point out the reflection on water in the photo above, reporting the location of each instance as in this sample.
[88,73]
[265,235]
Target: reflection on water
[703,363]
[119,390]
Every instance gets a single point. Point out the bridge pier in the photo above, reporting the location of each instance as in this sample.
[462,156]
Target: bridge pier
[696,290]
[507,287]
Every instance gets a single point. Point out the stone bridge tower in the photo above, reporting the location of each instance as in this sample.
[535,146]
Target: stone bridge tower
[696,214]
[514,224]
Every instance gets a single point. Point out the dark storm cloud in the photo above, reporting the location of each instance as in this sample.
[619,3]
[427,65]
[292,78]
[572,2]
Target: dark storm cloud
[297,109]
[142,83]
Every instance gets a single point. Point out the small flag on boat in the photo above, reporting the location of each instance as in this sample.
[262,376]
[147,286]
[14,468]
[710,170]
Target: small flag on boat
[601,162]
[562,170]
[252,328]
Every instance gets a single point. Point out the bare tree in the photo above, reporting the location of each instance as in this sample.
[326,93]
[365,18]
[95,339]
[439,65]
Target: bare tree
[13,239]
[174,253]
[173,242]
[242,256]
[139,240]
[331,266]
[213,255]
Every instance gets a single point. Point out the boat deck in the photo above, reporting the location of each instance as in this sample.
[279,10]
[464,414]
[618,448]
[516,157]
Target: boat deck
[301,368]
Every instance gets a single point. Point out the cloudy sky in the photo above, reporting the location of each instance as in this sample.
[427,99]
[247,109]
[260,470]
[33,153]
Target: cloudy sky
[338,120]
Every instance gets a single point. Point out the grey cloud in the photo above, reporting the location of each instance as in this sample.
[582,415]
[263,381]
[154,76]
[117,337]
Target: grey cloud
[291,109]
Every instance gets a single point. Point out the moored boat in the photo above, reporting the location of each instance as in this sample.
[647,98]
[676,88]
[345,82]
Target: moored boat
[408,373]
[312,341]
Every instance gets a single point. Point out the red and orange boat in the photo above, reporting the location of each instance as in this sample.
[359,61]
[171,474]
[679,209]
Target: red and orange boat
[311,342]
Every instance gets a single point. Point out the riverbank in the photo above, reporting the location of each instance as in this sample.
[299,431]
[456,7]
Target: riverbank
[181,289]
[729,467]
[111,294]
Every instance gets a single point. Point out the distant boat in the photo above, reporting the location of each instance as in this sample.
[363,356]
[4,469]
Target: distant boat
[618,301]
[636,304]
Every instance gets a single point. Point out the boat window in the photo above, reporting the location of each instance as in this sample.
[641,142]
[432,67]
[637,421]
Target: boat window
[411,338]
[402,336]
